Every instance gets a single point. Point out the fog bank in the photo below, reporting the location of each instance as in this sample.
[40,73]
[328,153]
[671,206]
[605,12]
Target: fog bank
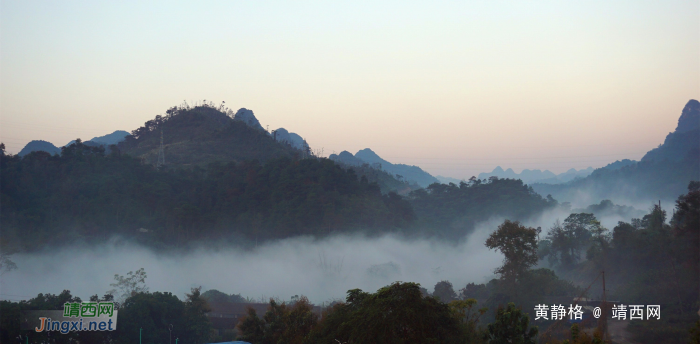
[320,269]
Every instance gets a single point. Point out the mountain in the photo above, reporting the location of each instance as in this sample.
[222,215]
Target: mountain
[386,181]
[411,174]
[537,176]
[347,158]
[204,134]
[246,116]
[618,164]
[447,180]
[662,174]
[39,145]
[281,135]
[607,208]
[296,141]
[109,139]
[684,140]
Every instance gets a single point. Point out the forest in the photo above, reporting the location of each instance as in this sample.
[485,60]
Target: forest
[652,260]
[84,194]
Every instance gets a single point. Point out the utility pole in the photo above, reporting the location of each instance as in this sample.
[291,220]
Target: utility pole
[604,312]
[161,153]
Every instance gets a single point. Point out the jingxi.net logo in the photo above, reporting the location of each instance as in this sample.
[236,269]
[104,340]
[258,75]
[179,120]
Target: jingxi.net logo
[85,316]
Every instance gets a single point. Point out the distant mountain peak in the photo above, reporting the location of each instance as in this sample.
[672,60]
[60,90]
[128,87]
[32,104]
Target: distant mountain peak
[106,140]
[370,157]
[246,116]
[346,158]
[39,145]
[412,174]
[111,139]
[296,141]
[683,143]
[690,117]
[368,153]
[537,176]
[345,154]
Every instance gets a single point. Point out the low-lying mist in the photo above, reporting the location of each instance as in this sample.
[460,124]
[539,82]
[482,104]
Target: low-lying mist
[321,269]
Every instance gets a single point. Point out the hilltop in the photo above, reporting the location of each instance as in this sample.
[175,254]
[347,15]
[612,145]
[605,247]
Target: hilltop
[682,143]
[204,134]
[39,145]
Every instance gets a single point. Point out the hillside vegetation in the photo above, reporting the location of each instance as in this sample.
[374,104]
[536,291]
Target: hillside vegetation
[201,135]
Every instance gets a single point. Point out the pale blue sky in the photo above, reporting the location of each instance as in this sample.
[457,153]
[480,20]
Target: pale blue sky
[455,87]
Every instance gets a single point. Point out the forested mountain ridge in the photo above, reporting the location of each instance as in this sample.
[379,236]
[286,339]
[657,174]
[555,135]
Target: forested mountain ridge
[683,142]
[201,135]
[663,173]
[85,195]
[456,209]
[408,173]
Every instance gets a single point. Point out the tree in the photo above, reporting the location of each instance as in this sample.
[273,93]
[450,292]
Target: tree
[153,313]
[129,285]
[397,313]
[10,319]
[519,246]
[571,238]
[251,327]
[474,291]
[280,324]
[465,311]
[686,225]
[512,327]
[214,296]
[444,292]
[196,309]
[6,264]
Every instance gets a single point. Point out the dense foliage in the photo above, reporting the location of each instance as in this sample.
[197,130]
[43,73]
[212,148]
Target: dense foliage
[84,194]
[145,314]
[647,261]
[519,247]
[511,326]
[87,195]
[394,314]
[664,180]
[452,210]
[281,323]
[201,135]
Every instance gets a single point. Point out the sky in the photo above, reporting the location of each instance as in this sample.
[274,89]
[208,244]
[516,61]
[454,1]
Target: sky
[456,88]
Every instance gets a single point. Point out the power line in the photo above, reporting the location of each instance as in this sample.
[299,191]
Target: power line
[161,154]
